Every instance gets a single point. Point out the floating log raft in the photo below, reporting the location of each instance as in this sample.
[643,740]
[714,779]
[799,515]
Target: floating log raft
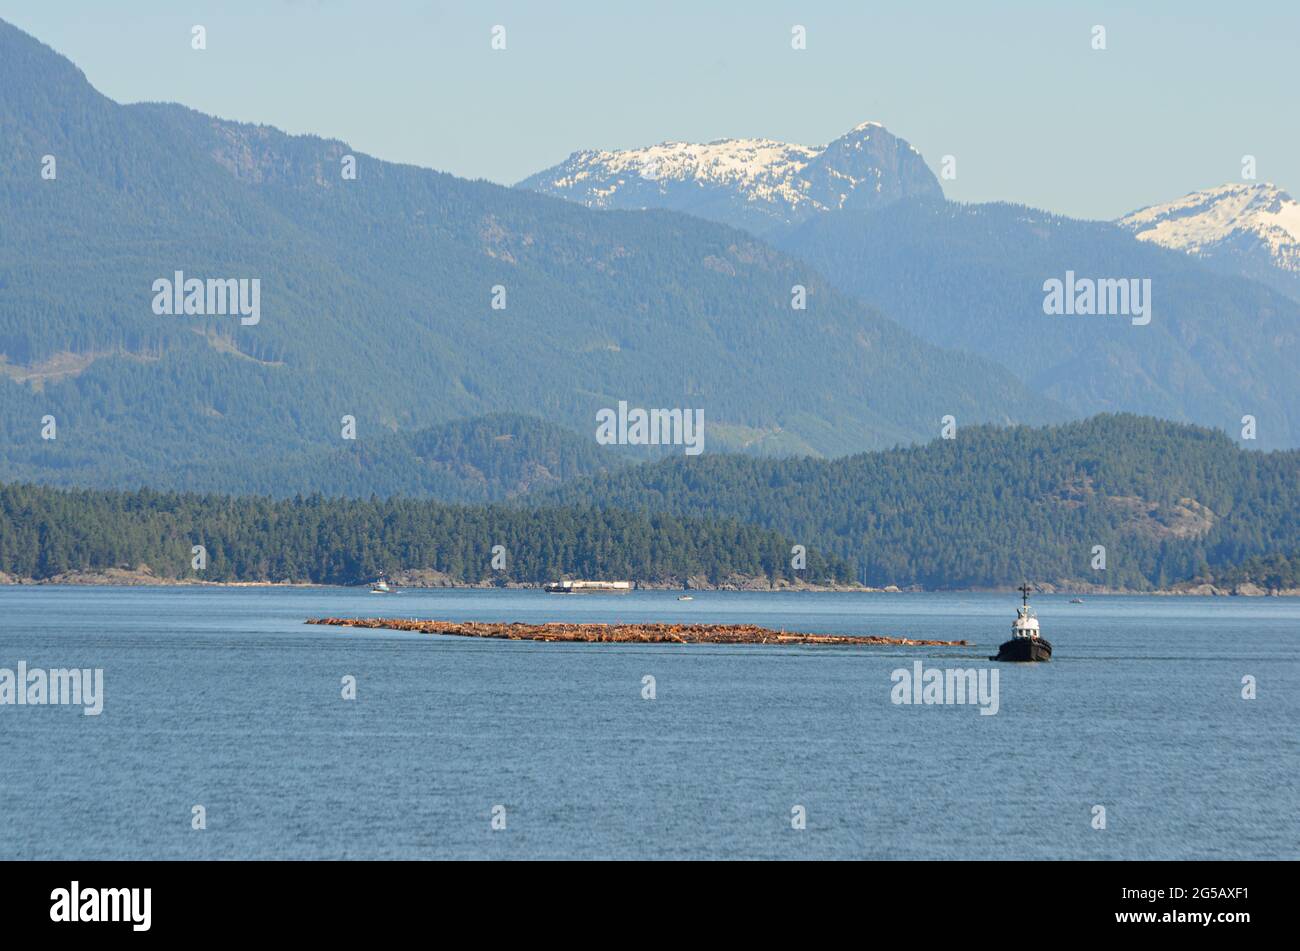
[628,633]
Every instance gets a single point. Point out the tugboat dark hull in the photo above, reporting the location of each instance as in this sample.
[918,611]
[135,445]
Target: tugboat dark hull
[1024,650]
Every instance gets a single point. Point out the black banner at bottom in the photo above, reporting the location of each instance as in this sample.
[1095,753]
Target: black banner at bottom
[340,899]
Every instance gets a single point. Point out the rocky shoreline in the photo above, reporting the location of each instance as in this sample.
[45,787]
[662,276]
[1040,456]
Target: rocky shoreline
[629,633]
[425,578]
[141,577]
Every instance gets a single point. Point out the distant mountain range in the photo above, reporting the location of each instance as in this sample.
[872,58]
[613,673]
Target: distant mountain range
[376,305]
[868,215]
[377,302]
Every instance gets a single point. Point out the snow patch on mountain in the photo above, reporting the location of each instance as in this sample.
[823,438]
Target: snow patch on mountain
[1258,219]
[763,168]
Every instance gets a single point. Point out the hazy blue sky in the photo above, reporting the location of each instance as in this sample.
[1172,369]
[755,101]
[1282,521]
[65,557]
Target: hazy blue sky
[1013,90]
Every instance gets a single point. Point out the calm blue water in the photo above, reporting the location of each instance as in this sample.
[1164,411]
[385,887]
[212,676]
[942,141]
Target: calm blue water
[222,697]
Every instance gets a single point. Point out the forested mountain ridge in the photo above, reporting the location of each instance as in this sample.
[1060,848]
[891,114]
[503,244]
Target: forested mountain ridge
[480,459]
[377,302]
[1169,503]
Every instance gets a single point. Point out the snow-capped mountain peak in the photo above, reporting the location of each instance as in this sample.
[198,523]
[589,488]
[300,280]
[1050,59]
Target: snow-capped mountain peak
[755,183]
[1238,219]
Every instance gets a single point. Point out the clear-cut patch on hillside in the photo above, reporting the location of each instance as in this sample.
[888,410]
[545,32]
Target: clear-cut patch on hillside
[226,345]
[63,365]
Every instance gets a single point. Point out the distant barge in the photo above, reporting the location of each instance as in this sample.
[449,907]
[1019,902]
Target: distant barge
[588,587]
[629,633]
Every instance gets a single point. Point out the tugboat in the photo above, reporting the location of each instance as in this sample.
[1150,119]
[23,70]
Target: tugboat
[1025,644]
[380,586]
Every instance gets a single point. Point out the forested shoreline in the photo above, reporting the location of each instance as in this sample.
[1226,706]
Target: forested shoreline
[1115,503]
[45,533]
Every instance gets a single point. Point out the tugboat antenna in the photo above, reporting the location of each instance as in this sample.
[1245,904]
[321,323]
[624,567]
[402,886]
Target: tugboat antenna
[1024,589]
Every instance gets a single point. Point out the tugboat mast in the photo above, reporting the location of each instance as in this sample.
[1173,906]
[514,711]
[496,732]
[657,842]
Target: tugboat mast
[1024,592]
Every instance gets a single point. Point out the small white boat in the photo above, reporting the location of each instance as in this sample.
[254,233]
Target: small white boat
[380,586]
[686,597]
